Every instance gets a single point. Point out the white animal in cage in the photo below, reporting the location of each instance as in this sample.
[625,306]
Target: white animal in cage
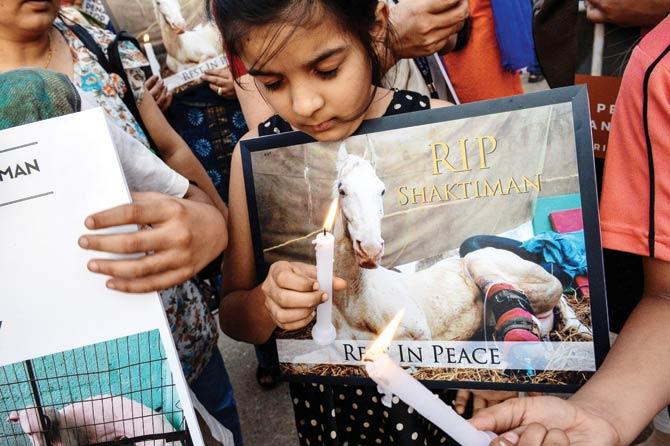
[97,419]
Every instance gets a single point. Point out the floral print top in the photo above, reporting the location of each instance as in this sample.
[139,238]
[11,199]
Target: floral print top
[108,89]
[193,326]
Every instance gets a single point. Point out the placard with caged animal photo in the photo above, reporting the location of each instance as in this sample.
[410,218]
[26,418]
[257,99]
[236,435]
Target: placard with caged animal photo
[115,392]
[479,222]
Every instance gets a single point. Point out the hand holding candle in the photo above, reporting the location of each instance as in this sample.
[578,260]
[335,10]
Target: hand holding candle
[151,56]
[392,379]
[323,332]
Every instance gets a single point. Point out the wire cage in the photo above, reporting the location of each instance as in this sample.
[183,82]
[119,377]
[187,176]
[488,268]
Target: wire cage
[112,393]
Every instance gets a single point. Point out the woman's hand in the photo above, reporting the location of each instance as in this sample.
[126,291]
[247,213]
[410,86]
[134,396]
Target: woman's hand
[183,238]
[156,87]
[221,82]
[292,293]
[481,399]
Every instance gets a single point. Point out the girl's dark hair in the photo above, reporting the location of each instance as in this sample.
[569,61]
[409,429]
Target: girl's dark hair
[235,19]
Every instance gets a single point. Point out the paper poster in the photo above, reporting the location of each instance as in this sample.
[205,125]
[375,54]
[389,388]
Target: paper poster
[477,220]
[179,32]
[77,360]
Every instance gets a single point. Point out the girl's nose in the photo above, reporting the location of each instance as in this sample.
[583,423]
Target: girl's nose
[306,102]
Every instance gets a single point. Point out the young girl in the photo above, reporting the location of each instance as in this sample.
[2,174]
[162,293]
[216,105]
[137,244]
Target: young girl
[318,64]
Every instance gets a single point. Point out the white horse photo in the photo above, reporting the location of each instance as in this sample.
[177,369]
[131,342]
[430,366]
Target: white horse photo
[442,302]
[185,48]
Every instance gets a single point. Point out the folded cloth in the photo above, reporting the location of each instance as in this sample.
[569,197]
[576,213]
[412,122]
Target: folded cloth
[514,32]
[21,90]
[565,250]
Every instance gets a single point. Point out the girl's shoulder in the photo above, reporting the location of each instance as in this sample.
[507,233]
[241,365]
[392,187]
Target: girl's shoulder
[272,125]
[405,101]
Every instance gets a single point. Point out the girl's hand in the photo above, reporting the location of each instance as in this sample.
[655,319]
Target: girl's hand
[221,82]
[156,87]
[292,293]
[184,237]
[481,399]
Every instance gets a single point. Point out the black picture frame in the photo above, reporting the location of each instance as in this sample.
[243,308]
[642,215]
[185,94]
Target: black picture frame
[578,97]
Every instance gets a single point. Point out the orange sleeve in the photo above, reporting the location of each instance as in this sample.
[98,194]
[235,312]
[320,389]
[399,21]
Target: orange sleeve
[635,203]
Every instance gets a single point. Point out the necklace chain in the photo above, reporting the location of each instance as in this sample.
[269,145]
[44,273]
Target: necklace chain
[51,51]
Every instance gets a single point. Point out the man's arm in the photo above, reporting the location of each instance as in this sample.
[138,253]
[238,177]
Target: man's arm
[616,404]
[424,27]
[633,384]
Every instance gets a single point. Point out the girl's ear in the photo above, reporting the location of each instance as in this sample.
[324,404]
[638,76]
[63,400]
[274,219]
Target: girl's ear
[380,26]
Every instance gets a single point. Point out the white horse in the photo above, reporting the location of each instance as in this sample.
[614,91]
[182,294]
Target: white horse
[185,48]
[442,302]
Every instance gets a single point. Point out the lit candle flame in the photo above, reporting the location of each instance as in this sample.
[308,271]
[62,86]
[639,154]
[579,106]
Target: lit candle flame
[330,218]
[146,38]
[384,339]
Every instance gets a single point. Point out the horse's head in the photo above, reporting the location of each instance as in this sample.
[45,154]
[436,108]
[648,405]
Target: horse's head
[361,202]
[171,12]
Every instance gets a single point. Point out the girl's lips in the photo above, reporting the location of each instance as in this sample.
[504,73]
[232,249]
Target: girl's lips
[325,125]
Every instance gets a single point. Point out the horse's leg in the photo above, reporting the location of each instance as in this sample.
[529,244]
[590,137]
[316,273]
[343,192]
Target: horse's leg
[517,291]
[491,265]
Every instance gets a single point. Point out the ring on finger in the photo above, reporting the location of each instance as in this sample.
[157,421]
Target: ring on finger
[219,91]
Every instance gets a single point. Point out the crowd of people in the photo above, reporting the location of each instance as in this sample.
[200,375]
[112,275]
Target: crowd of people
[323,67]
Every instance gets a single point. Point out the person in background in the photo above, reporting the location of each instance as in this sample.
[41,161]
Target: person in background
[208,117]
[633,383]
[31,95]
[477,71]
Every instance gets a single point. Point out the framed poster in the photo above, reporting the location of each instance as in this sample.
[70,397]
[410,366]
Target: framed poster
[179,32]
[477,220]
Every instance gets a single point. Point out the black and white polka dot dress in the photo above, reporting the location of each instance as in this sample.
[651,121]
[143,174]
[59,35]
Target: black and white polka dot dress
[403,102]
[340,415]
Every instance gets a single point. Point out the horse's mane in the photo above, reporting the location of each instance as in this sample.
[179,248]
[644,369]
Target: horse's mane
[345,167]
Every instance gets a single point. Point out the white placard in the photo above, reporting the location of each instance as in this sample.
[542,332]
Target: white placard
[53,174]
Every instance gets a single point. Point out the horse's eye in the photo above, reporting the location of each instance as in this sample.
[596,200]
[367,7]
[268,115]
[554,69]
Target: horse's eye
[342,193]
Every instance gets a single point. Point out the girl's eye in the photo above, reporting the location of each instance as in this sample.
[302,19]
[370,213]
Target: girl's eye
[273,85]
[383,192]
[328,74]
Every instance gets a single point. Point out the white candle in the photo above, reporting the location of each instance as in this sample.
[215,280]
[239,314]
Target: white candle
[323,332]
[392,379]
[151,57]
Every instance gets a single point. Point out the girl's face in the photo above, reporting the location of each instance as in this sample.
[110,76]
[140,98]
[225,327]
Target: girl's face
[26,19]
[318,78]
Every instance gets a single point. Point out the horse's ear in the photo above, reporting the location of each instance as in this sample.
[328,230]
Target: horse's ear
[370,153]
[341,156]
